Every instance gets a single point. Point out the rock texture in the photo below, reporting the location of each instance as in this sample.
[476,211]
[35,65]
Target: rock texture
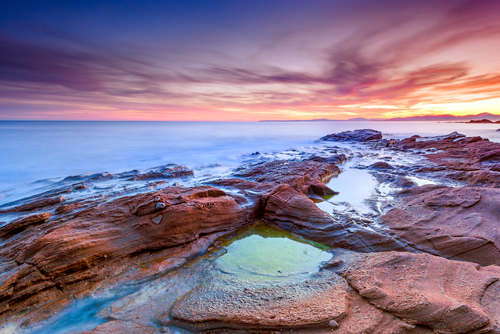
[458,223]
[227,303]
[70,243]
[306,176]
[292,211]
[362,135]
[445,296]
[123,327]
[65,255]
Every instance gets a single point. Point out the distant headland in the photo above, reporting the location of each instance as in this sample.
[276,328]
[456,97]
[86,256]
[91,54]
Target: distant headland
[478,118]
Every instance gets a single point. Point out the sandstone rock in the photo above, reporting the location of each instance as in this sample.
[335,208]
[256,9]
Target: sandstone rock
[21,224]
[425,290]
[360,135]
[227,303]
[294,212]
[458,223]
[305,176]
[164,172]
[335,159]
[84,247]
[381,165]
[123,327]
[35,204]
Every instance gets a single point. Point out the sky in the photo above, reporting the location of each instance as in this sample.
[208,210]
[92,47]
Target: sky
[248,60]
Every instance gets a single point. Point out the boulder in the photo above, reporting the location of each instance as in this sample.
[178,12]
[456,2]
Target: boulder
[360,135]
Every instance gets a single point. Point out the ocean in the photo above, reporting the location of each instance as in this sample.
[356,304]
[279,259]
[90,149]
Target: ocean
[33,151]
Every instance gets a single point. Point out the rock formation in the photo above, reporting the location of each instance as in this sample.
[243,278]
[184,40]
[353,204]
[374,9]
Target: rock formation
[399,275]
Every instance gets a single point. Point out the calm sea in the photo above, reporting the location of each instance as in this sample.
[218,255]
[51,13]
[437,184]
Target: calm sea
[35,150]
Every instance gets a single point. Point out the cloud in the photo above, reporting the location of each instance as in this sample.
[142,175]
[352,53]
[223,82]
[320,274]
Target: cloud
[397,60]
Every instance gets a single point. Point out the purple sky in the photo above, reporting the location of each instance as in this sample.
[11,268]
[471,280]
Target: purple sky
[248,60]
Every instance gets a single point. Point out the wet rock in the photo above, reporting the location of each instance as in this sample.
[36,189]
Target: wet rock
[67,208]
[452,136]
[81,186]
[89,177]
[160,206]
[21,224]
[360,135]
[335,159]
[165,172]
[35,204]
[86,246]
[458,223]
[294,212]
[381,165]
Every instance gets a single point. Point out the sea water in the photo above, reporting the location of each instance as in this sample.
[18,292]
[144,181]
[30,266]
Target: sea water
[31,151]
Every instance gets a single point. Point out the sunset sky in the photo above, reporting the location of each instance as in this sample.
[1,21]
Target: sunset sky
[248,59]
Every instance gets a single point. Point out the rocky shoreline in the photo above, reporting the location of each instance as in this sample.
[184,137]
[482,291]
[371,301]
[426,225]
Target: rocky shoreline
[424,258]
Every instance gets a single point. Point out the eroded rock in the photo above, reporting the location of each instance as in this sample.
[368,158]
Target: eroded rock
[458,223]
[88,246]
[422,289]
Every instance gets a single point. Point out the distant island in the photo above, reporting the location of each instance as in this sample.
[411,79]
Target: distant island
[479,118]
[484,120]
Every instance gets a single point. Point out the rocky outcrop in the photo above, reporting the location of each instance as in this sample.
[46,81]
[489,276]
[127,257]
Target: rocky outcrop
[360,135]
[55,248]
[223,302]
[389,292]
[294,212]
[163,172]
[445,296]
[457,223]
[42,202]
[305,176]
[18,225]
[62,254]
[473,160]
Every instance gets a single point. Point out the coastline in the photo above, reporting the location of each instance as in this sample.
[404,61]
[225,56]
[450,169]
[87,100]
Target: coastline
[84,240]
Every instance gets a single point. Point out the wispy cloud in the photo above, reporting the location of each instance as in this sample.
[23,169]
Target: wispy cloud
[398,62]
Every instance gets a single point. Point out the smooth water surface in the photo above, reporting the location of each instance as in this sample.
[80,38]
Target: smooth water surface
[264,253]
[37,150]
[354,186]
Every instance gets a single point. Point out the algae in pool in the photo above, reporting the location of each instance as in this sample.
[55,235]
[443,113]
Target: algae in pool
[262,252]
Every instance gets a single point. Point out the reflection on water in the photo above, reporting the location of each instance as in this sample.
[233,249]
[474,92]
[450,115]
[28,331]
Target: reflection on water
[354,186]
[419,181]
